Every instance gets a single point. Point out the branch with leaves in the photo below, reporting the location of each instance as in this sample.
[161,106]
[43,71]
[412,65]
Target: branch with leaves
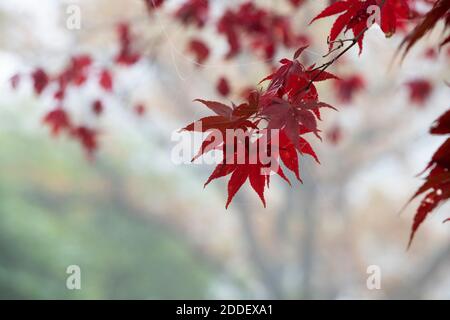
[287,102]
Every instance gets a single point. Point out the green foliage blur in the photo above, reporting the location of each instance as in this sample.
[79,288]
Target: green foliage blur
[55,211]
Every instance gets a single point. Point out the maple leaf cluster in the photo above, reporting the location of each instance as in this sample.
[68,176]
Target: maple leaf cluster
[289,106]
[264,30]
[354,15]
[290,103]
[191,12]
[358,16]
[439,11]
[74,75]
[248,26]
[437,183]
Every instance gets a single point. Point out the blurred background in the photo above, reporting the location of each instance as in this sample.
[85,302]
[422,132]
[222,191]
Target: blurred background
[142,227]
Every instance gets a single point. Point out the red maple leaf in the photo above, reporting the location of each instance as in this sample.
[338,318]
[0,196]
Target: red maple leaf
[223,87]
[264,29]
[257,173]
[199,49]
[77,70]
[193,11]
[58,120]
[289,106]
[239,174]
[106,80]
[437,182]
[40,80]
[87,138]
[97,107]
[348,87]
[126,55]
[440,11]
[75,73]
[291,100]
[420,90]
[355,14]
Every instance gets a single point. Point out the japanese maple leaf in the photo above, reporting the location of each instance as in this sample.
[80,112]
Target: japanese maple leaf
[293,79]
[257,173]
[75,73]
[227,25]
[126,55]
[288,152]
[239,175]
[40,80]
[289,106]
[437,183]
[291,99]
[58,120]
[264,30]
[292,117]
[193,11]
[441,125]
[234,117]
[97,107]
[223,86]
[347,87]
[106,80]
[87,138]
[440,11]
[199,49]
[78,69]
[355,14]
[226,117]
[420,90]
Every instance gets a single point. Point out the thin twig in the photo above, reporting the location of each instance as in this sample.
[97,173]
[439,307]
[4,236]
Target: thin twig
[326,65]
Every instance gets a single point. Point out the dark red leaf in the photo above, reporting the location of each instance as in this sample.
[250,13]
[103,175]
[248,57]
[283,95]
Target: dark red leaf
[223,87]
[40,80]
[106,80]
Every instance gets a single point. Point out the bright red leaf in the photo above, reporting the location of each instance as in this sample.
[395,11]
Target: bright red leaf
[58,120]
[437,182]
[106,80]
